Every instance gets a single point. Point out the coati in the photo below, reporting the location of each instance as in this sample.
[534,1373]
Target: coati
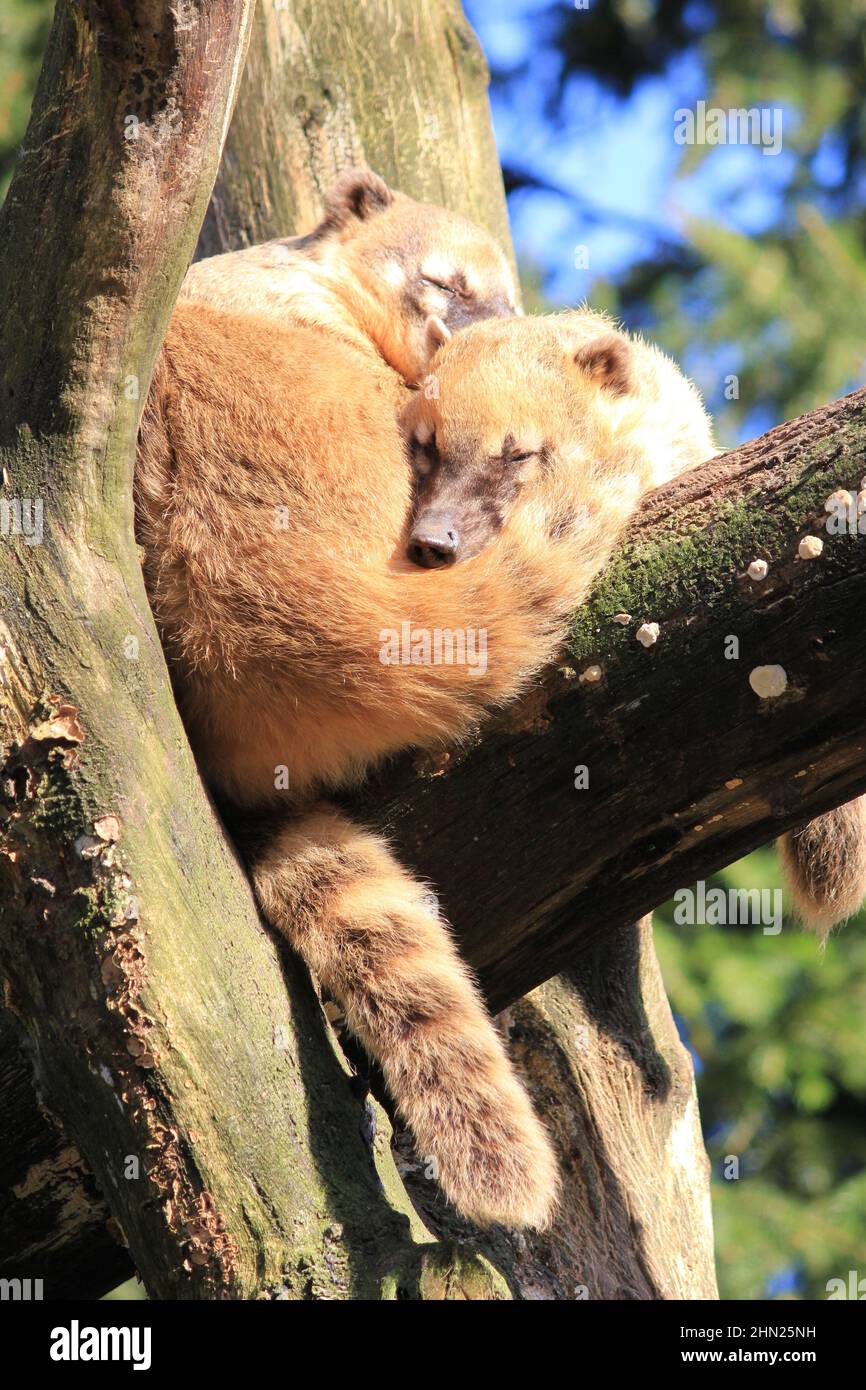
[373,272]
[276,505]
[824,865]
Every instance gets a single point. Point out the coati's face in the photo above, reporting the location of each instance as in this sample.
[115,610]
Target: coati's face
[409,262]
[515,414]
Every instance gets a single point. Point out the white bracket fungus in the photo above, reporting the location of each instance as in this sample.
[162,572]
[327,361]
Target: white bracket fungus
[648,634]
[810,547]
[768,682]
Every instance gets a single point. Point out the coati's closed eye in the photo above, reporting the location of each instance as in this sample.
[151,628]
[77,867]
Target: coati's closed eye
[455,285]
[438,285]
[423,449]
[515,451]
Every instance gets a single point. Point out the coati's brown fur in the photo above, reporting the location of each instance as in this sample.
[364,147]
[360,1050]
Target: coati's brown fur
[824,865]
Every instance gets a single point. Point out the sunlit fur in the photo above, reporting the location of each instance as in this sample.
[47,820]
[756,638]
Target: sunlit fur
[551,427]
[273,632]
[364,275]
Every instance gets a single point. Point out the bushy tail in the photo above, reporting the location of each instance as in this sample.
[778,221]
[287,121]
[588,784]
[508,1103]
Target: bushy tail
[374,940]
[825,866]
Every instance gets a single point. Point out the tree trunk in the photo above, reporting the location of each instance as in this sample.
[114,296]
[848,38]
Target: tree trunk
[399,85]
[403,89]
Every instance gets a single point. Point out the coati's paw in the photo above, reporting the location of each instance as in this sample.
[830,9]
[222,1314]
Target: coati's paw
[494,1160]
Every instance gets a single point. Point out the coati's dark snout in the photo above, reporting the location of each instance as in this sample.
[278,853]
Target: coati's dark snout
[433,543]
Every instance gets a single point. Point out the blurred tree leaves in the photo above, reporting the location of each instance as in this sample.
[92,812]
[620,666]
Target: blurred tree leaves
[777,1027]
[780,305]
[24,28]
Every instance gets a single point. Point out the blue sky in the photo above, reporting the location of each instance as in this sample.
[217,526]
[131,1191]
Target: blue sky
[614,160]
[613,164]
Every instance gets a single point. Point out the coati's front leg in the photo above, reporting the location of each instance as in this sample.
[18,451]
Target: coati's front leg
[366,929]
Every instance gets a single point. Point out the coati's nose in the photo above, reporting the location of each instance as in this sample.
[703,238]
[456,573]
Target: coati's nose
[433,547]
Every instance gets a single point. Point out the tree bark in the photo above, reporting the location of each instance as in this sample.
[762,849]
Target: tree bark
[215,1118]
[398,86]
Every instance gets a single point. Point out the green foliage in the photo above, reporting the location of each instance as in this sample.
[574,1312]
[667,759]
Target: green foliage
[783,308]
[770,287]
[23,31]
[783,312]
[777,1026]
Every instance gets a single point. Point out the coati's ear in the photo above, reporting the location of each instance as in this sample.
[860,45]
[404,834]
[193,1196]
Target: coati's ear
[359,194]
[608,362]
[436,332]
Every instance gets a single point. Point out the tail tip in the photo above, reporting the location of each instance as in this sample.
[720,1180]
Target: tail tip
[825,868]
[512,1182]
